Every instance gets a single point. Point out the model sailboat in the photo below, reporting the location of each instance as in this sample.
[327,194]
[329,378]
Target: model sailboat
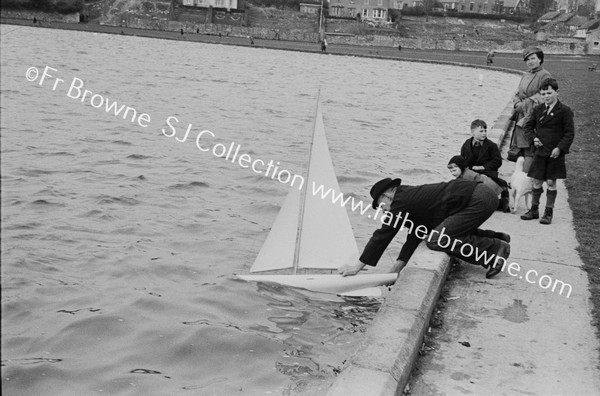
[312,237]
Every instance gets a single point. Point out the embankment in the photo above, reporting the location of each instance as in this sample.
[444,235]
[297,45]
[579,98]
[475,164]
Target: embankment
[294,33]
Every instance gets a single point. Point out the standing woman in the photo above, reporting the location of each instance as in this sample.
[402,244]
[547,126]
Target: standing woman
[526,98]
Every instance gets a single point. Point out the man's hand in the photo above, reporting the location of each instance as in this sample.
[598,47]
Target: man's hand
[349,269]
[398,265]
[537,142]
[478,168]
[555,153]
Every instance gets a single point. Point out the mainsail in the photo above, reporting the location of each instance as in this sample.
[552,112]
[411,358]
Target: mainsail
[310,231]
[313,234]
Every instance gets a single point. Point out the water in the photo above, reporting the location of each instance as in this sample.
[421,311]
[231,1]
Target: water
[120,244]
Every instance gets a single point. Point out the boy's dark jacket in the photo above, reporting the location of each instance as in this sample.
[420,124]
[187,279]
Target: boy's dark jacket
[554,130]
[489,156]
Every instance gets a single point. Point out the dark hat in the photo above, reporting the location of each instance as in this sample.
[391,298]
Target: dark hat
[458,161]
[380,187]
[531,50]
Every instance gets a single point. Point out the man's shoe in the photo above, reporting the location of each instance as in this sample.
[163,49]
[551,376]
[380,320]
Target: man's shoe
[496,267]
[547,218]
[531,214]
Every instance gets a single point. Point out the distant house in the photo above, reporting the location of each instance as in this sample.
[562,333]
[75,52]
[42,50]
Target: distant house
[399,4]
[343,8]
[593,40]
[310,8]
[228,4]
[369,10]
[449,5]
[514,7]
[549,16]
[584,29]
[563,24]
[477,6]
[576,21]
[564,17]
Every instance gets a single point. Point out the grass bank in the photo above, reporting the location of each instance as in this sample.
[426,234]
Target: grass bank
[578,87]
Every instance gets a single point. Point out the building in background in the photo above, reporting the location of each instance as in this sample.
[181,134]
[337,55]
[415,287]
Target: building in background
[375,11]
[227,4]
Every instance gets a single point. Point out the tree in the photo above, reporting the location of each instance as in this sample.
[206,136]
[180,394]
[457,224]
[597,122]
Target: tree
[586,9]
[540,7]
[429,4]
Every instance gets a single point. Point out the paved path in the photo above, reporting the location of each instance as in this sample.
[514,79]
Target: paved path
[522,338]
[520,333]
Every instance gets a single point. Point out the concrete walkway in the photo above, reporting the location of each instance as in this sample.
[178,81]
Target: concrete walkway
[522,338]
[506,336]
[521,332]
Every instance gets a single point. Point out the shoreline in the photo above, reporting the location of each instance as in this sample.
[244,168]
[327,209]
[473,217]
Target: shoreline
[454,58]
[508,63]
[500,41]
[465,58]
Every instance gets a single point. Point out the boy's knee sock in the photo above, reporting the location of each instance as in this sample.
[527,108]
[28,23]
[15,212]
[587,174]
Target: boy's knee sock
[535,200]
[550,198]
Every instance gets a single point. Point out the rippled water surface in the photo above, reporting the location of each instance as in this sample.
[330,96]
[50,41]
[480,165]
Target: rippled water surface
[120,244]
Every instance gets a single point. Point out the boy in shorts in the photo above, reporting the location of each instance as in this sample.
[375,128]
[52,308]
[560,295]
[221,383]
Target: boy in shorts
[551,130]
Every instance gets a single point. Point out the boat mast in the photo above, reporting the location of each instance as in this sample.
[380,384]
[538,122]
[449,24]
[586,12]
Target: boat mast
[305,189]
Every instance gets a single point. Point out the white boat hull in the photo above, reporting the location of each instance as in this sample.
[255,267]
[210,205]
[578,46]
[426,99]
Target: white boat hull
[329,283]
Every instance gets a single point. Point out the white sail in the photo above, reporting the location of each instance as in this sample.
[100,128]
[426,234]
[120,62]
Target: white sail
[313,233]
[326,239]
[278,250]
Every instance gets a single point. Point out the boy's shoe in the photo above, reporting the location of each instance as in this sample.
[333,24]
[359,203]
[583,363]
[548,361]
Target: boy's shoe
[531,214]
[496,268]
[503,205]
[547,218]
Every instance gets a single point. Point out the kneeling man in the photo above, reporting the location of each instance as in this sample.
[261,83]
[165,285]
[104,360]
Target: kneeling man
[446,214]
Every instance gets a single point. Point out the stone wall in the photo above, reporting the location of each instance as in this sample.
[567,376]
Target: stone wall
[573,48]
[40,16]
[368,40]
[157,9]
[197,15]
[274,19]
[209,15]
[212,28]
[303,30]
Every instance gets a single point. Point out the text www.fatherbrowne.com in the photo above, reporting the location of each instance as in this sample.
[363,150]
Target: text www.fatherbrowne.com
[231,152]
[513,269]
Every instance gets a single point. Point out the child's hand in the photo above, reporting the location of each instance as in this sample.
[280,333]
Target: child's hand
[518,107]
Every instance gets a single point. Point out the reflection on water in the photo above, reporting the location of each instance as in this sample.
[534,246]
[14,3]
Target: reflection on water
[120,245]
